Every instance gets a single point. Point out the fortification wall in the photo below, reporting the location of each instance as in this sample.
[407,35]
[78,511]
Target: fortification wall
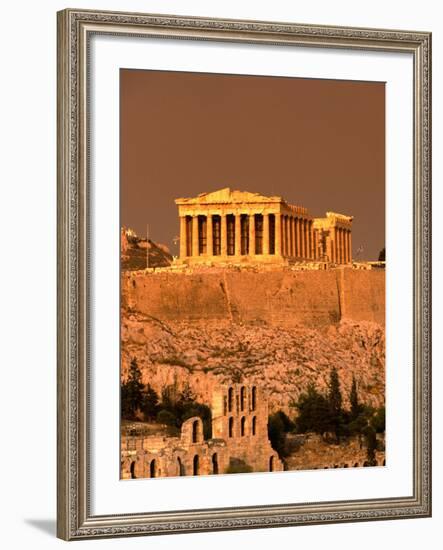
[362,294]
[281,298]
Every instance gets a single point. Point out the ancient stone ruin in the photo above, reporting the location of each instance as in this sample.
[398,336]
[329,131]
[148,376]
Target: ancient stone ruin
[239,436]
[228,225]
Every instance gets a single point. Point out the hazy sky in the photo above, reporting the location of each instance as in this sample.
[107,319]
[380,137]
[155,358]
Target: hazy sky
[318,143]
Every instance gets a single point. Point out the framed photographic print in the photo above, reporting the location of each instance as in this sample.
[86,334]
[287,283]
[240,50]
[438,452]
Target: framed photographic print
[244,274]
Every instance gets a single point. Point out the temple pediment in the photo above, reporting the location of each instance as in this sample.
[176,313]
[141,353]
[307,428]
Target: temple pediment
[228,196]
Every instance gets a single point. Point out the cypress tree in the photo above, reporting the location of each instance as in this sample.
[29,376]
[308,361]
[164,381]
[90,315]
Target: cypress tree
[313,412]
[132,392]
[371,446]
[335,402]
[353,399]
[150,403]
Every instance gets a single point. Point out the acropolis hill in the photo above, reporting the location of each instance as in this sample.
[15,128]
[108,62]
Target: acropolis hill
[279,315]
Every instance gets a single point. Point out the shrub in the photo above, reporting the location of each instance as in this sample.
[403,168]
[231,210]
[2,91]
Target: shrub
[379,420]
[276,433]
[288,424]
[313,412]
[166,417]
[132,392]
[238,467]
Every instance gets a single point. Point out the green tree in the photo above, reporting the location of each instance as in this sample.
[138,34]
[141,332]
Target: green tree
[378,421]
[335,402]
[166,417]
[276,433]
[237,466]
[313,412]
[150,403]
[371,445]
[353,400]
[288,424]
[132,392]
[183,401]
[183,405]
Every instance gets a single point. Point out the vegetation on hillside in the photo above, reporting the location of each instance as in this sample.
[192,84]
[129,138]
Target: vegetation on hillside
[171,409]
[323,413]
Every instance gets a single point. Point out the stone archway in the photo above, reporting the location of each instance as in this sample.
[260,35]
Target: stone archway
[195,465]
[215,463]
[271,463]
[180,467]
[195,431]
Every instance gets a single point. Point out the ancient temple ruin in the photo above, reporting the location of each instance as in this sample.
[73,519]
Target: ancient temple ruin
[238,226]
[239,435]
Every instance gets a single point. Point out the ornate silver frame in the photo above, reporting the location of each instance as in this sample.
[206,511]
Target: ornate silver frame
[74,519]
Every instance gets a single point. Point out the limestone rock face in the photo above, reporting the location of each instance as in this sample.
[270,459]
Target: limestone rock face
[282,360]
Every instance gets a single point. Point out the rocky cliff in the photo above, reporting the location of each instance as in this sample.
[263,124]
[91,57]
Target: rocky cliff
[281,329]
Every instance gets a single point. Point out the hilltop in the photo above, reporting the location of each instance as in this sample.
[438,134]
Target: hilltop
[134,249]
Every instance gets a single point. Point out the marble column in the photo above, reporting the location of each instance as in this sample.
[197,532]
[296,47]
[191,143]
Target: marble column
[277,232]
[297,237]
[283,235]
[288,235]
[265,234]
[343,247]
[223,236]
[336,247]
[308,239]
[341,242]
[314,242]
[195,251]
[290,241]
[330,246]
[251,235]
[237,234]
[293,237]
[310,244]
[209,236]
[350,245]
[305,239]
[183,242]
[301,224]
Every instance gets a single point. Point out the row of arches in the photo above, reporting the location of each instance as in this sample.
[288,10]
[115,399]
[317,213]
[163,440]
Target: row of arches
[153,470]
[242,398]
[181,470]
[243,426]
[196,465]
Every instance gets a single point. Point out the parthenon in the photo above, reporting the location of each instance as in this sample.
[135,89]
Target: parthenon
[238,226]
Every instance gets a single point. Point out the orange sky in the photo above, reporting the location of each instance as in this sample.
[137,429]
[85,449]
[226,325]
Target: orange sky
[318,143]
